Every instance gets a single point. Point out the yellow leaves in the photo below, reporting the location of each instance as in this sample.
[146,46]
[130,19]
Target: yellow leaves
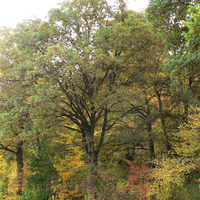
[3,196]
[8,181]
[169,175]
[72,162]
[2,165]
[172,174]
[67,139]
[189,138]
[67,168]
[70,165]
[189,146]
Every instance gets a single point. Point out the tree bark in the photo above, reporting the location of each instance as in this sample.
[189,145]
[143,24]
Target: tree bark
[186,103]
[92,164]
[19,158]
[149,129]
[151,143]
[167,144]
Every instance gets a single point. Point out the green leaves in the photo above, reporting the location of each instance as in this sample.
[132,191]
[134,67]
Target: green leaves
[168,18]
[185,65]
[193,24]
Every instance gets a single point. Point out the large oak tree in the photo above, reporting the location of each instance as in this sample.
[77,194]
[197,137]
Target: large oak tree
[79,69]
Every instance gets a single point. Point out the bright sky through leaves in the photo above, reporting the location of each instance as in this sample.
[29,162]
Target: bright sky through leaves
[15,11]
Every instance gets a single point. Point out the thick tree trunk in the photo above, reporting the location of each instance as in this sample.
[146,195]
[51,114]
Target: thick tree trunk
[19,158]
[93,153]
[92,164]
[167,144]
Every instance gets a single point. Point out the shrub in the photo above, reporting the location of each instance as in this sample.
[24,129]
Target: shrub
[138,178]
[170,176]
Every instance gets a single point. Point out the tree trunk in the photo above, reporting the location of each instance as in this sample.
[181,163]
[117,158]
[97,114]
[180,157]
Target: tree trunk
[186,103]
[151,143]
[186,108]
[149,129]
[19,158]
[167,144]
[92,164]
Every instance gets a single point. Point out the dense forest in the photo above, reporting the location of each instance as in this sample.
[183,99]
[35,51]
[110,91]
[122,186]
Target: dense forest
[101,102]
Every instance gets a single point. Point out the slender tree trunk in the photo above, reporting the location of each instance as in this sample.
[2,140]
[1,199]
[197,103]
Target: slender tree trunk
[167,144]
[151,143]
[186,108]
[186,104]
[149,129]
[19,158]
[38,141]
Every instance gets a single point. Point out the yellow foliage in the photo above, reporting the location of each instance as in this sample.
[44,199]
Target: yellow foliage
[68,168]
[189,137]
[70,165]
[6,197]
[12,178]
[169,175]
[189,145]
[2,165]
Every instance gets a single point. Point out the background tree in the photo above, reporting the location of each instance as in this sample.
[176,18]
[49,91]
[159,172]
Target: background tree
[186,65]
[169,18]
[21,113]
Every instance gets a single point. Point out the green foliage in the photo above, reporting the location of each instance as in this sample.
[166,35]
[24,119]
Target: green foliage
[42,173]
[111,185]
[34,194]
[98,72]
[193,24]
[185,66]
[168,17]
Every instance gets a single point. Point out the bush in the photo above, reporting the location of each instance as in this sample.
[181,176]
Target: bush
[42,173]
[138,179]
[171,176]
